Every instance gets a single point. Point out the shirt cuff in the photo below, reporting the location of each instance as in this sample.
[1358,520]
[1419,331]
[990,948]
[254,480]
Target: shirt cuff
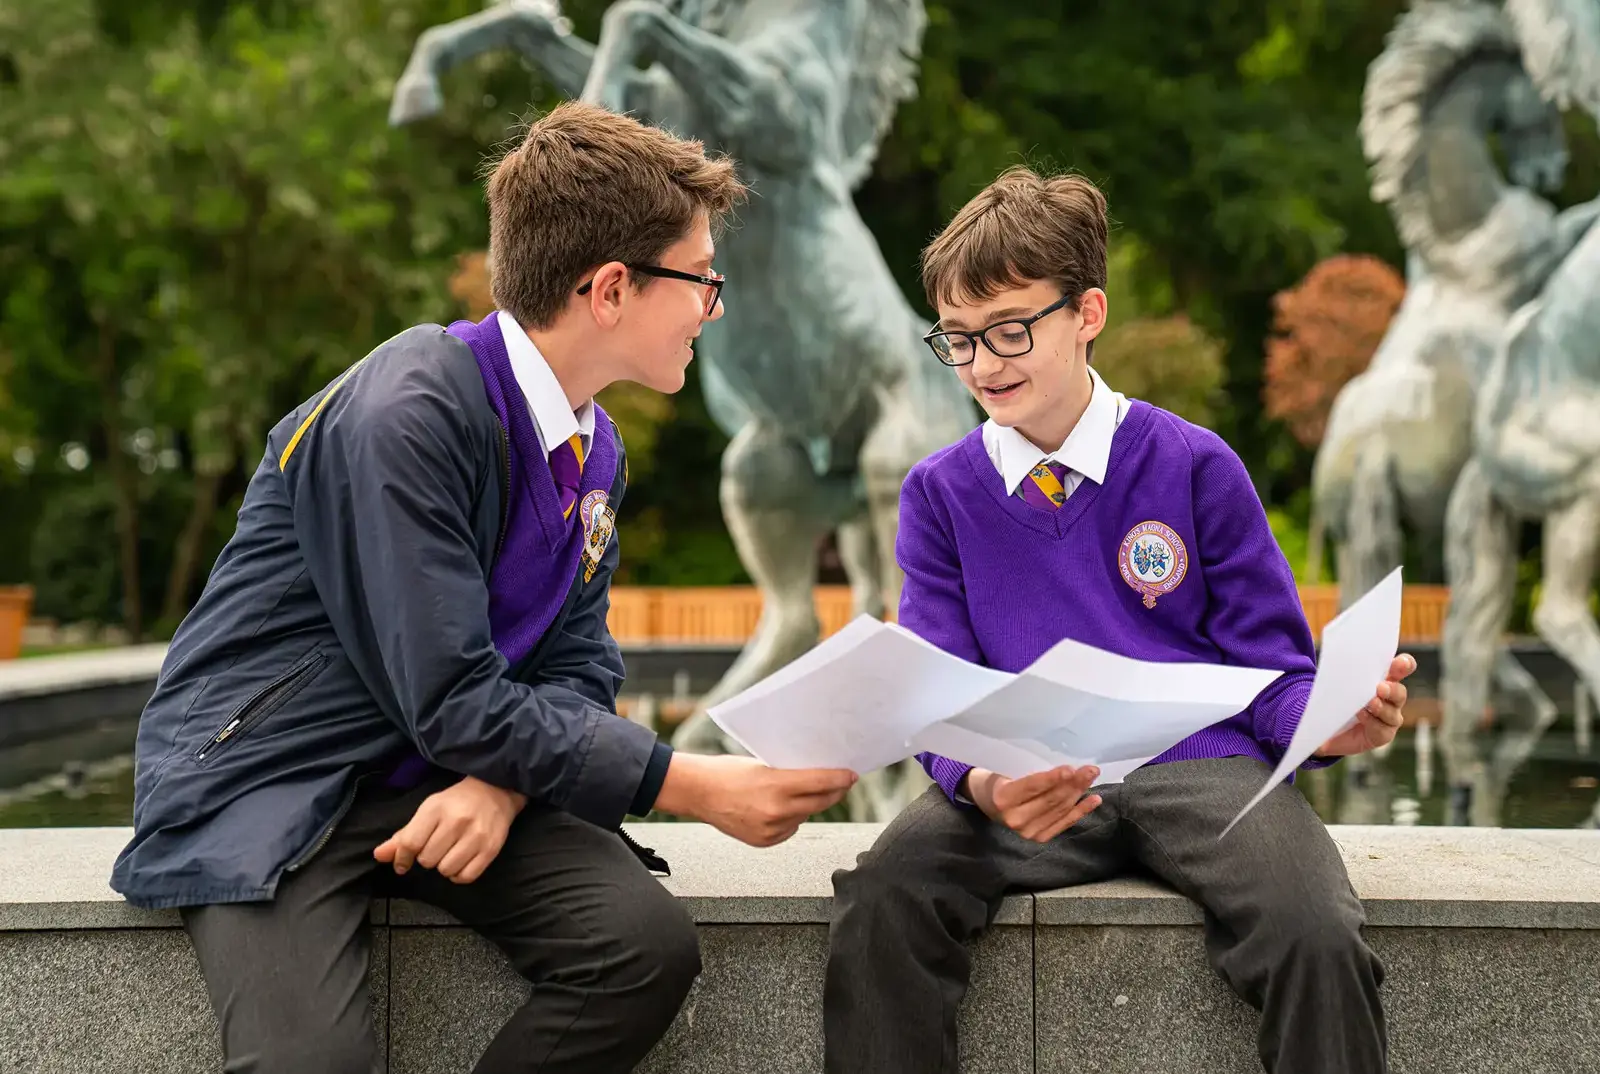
[655,774]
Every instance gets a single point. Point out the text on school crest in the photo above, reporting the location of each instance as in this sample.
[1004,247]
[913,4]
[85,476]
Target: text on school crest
[1152,560]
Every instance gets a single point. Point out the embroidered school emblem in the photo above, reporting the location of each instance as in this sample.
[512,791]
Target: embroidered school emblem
[599,526]
[1152,560]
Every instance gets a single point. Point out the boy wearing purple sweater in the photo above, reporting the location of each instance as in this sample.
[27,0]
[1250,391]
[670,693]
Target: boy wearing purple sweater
[1075,512]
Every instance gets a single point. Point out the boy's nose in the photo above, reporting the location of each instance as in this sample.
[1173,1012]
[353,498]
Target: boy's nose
[985,363]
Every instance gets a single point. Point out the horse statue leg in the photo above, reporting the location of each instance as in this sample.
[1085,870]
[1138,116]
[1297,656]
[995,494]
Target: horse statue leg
[777,510]
[533,30]
[1562,618]
[1374,545]
[1481,565]
[882,794]
[902,433]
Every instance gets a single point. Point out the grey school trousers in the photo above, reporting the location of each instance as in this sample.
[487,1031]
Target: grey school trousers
[1283,926]
[609,952]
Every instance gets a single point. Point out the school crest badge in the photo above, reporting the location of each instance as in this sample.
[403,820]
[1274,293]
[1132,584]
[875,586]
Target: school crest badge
[1152,560]
[599,526]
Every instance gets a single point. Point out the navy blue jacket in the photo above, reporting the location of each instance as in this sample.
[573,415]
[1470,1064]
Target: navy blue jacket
[346,624]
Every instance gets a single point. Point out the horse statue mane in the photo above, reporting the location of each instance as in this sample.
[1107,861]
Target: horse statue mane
[1432,45]
[1561,49]
[884,74]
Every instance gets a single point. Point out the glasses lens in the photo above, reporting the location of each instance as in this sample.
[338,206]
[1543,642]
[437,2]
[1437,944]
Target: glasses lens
[951,350]
[1008,339]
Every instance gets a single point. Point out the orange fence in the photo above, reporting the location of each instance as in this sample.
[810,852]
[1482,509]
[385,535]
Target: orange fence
[727,615]
[15,604]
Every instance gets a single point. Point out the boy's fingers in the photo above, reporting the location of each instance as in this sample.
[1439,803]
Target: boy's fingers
[815,780]
[1057,800]
[412,838]
[816,803]
[440,841]
[1066,819]
[1017,791]
[459,857]
[473,869]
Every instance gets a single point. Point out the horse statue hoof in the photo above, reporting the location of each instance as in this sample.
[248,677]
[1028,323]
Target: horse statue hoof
[415,98]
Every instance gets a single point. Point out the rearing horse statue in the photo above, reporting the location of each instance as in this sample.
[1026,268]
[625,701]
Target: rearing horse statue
[1478,246]
[1536,439]
[816,369]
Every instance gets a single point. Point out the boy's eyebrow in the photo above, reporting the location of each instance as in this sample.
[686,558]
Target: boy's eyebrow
[992,318]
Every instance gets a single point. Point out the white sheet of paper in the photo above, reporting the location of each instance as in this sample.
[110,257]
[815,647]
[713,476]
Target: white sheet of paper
[856,706]
[1357,647]
[1079,705]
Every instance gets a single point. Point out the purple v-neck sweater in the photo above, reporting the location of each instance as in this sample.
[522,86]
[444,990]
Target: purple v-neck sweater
[539,559]
[1171,559]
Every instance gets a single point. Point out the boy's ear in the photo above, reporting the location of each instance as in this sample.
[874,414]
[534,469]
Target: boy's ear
[606,292]
[1092,308]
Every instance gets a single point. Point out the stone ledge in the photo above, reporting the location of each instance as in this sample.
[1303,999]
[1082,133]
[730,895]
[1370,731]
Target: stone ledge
[1094,978]
[71,672]
[1408,877]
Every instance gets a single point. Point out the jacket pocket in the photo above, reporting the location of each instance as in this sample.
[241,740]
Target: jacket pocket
[264,703]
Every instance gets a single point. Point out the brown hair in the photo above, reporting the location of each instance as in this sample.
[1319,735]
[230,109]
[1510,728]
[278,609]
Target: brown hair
[1020,228]
[586,186]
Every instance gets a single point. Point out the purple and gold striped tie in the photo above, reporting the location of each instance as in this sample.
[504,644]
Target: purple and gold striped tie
[566,467]
[1043,487]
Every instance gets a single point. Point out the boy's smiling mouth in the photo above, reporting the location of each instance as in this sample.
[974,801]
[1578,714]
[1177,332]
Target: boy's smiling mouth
[1000,391]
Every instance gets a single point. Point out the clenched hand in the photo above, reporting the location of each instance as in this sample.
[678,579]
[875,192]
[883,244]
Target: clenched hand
[457,831]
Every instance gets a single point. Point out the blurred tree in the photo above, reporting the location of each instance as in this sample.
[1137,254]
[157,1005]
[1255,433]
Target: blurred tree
[1327,328]
[204,233]
[1167,361]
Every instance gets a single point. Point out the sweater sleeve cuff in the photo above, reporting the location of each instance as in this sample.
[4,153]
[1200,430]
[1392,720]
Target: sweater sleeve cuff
[947,774]
[655,774]
[1287,708]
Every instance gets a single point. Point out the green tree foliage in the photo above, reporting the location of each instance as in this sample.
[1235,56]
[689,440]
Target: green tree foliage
[206,230]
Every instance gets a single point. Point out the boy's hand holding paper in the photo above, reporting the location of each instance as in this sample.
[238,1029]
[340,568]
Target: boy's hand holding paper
[1377,723]
[1358,649]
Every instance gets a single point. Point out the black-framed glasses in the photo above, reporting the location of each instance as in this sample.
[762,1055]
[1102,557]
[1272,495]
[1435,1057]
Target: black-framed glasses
[713,283]
[1007,339]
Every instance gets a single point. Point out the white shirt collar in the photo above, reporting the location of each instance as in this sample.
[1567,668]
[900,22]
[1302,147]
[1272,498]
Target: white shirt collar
[1086,450]
[547,401]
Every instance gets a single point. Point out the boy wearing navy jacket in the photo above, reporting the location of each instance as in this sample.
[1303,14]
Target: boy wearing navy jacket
[1075,512]
[398,679]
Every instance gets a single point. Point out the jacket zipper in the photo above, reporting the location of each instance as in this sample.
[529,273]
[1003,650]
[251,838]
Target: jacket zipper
[262,705]
[505,490]
[327,833]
